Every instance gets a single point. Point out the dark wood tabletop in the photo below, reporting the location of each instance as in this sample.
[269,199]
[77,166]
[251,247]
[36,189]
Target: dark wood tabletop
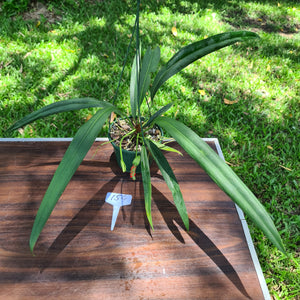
[78,256]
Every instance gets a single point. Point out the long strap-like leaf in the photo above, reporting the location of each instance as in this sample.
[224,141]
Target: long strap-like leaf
[74,155]
[192,52]
[58,107]
[171,181]
[146,177]
[223,175]
[134,87]
[157,114]
[149,65]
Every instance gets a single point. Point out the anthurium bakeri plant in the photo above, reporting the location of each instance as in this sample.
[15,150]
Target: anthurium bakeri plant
[143,68]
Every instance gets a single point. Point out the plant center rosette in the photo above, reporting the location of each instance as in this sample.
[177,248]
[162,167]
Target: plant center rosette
[126,137]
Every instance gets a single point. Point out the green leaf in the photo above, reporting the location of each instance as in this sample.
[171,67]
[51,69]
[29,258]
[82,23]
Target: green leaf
[223,175]
[149,65]
[74,155]
[157,114]
[146,178]
[193,52]
[58,107]
[123,166]
[143,75]
[133,87]
[171,181]
[166,148]
[136,160]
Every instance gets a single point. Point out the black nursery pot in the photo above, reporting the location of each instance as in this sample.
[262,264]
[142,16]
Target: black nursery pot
[128,156]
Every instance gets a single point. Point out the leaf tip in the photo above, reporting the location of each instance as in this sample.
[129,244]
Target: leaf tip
[31,246]
[123,166]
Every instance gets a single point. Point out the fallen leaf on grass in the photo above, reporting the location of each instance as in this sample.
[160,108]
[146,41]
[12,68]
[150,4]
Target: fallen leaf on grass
[88,117]
[283,167]
[177,111]
[230,164]
[21,131]
[174,31]
[27,54]
[202,92]
[270,147]
[230,102]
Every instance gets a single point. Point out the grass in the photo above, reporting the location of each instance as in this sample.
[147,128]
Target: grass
[246,95]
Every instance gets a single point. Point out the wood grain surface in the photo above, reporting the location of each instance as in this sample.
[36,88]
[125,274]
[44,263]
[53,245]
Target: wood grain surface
[77,255]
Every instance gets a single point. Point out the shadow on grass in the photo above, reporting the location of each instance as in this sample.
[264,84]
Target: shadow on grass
[95,40]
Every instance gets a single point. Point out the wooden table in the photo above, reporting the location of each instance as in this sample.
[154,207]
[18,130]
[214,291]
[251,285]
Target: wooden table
[77,255]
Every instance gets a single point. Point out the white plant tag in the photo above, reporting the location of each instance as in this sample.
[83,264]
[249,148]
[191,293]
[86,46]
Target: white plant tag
[117,200]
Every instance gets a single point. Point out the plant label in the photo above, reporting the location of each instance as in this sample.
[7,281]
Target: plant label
[117,200]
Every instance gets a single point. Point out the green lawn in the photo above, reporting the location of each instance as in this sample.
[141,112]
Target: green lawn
[247,95]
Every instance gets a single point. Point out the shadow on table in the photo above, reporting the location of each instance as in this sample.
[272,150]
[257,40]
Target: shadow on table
[170,214]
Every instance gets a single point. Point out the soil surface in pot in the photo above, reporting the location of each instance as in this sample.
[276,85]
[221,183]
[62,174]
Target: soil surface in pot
[122,127]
